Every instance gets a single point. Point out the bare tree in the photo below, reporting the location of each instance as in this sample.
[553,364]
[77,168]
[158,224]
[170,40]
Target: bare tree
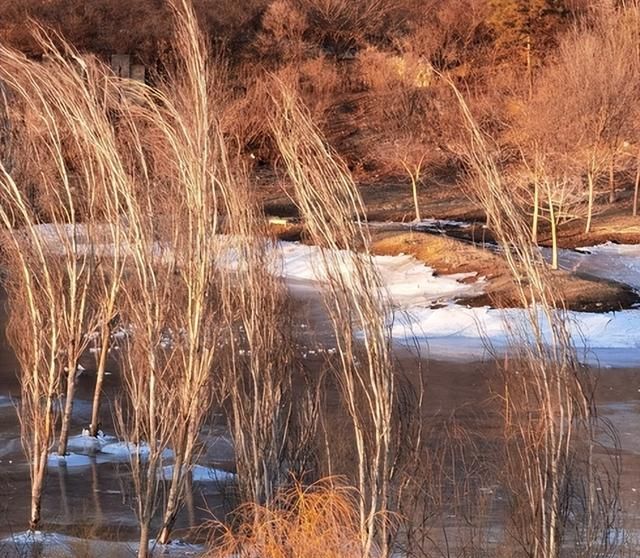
[186,160]
[548,401]
[330,203]
[33,333]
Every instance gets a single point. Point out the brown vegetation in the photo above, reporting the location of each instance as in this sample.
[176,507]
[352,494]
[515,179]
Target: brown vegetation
[373,74]
[320,521]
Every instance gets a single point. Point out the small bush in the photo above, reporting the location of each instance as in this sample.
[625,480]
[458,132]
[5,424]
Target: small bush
[319,521]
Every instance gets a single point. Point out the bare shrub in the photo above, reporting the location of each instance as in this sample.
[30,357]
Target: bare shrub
[331,206]
[447,35]
[548,402]
[280,39]
[338,25]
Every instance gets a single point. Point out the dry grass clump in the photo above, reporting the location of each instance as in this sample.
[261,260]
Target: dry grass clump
[319,521]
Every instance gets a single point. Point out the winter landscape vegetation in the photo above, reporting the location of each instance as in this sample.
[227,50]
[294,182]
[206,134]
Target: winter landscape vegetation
[332,279]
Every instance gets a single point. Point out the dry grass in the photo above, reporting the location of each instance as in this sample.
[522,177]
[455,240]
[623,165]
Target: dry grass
[319,521]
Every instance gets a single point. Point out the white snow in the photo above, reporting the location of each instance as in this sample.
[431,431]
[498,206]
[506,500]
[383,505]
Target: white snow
[87,444]
[6,401]
[438,224]
[454,331]
[458,333]
[122,451]
[423,224]
[617,262]
[407,281]
[610,339]
[200,474]
[70,461]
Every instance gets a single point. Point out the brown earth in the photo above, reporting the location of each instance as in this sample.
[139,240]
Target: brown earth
[448,255]
[444,198]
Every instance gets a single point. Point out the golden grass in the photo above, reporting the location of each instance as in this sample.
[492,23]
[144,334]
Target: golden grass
[318,521]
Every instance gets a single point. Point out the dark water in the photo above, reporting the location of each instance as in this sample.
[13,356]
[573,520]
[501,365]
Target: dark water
[95,502]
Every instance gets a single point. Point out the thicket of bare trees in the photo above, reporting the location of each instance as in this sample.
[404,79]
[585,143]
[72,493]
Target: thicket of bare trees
[142,189]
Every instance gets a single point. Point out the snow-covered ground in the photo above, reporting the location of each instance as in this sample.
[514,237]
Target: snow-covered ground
[460,333]
[406,281]
[449,330]
[618,262]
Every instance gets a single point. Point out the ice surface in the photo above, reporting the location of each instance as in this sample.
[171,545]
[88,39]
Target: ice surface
[56,545]
[616,262]
[200,474]
[70,461]
[122,451]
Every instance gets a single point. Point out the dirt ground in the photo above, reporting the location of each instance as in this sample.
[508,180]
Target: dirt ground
[443,198]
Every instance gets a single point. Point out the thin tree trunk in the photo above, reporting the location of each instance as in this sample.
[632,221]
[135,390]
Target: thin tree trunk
[612,183]
[37,485]
[173,501]
[590,180]
[143,549]
[536,204]
[68,409]
[636,187]
[40,445]
[97,393]
[414,187]
[554,237]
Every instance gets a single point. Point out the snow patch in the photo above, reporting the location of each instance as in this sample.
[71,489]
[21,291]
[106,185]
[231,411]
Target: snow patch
[69,461]
[89,445]
[200,474]
[123,451]
[405,280]
[6,401]
[458,333]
